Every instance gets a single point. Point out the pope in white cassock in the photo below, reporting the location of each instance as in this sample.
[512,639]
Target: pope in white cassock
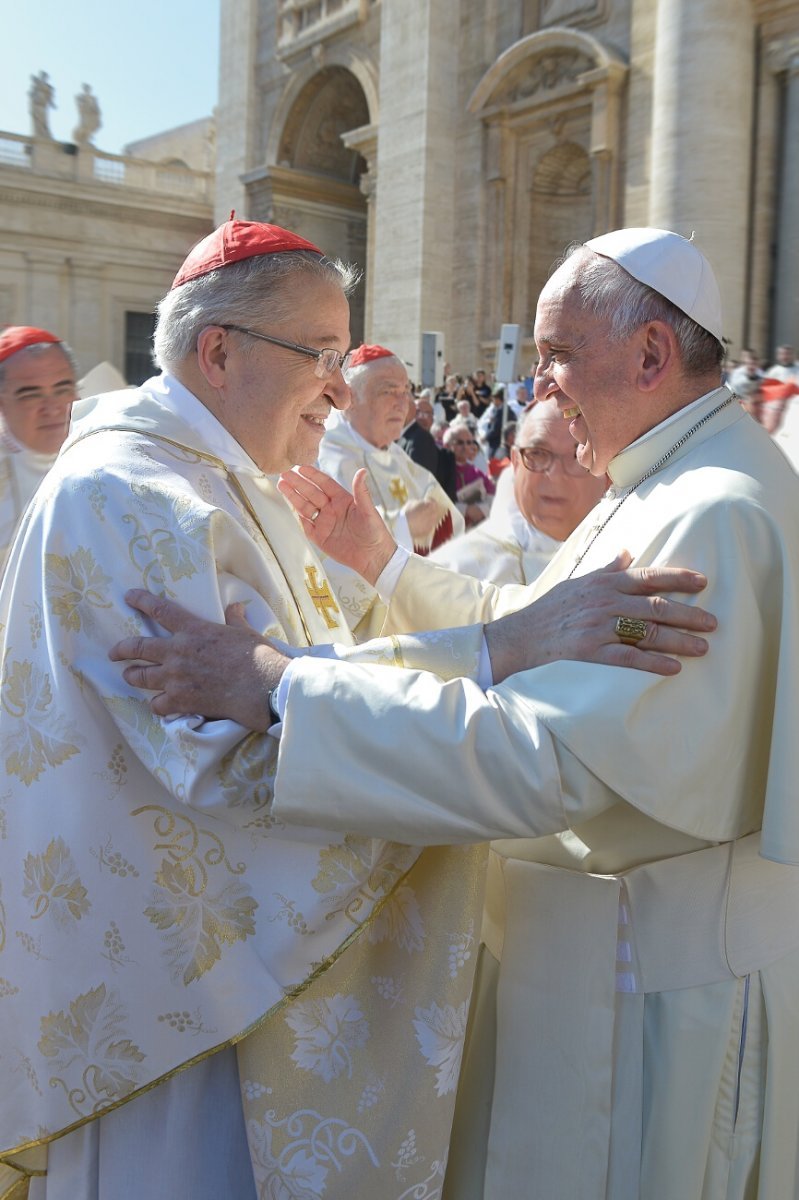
[37,389]
[154,912]
[541,498]
[635,1028]
[411,501]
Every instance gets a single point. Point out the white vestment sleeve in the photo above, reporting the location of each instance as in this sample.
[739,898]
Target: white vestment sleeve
[490,770]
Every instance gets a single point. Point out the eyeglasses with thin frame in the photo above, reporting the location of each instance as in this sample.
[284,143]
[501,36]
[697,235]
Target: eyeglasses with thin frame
[327,360]
[539,459]
[463,442]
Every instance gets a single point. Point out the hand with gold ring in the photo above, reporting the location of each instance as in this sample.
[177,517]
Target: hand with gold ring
[630,630]
[579,619]
[345,526]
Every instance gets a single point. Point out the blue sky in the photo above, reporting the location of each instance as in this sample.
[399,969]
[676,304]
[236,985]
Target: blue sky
[151,63]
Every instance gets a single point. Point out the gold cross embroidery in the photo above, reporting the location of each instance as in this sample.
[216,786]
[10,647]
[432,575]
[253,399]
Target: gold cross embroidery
[322,598]
[398,490]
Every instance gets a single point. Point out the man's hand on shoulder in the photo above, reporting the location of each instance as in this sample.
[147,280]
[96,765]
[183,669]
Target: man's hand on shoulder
[217,671]
[577,619]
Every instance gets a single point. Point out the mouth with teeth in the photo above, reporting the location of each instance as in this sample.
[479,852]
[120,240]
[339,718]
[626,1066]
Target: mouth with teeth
[570,413]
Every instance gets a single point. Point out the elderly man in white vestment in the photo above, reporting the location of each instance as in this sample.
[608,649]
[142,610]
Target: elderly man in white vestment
[37,389]
[154,913]
[635,1028]
[539,502]
[410,499]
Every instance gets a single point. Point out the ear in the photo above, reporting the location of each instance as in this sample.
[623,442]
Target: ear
[212,354]
[658,349]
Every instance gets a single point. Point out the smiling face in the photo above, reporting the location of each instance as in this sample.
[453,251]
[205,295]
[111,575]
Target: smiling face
[590,375]
[553,501]
[271,400]
[36,395]
[380,395]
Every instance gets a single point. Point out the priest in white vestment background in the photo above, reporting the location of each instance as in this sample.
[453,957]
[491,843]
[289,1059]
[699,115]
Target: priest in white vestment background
[412,502]
[37,390]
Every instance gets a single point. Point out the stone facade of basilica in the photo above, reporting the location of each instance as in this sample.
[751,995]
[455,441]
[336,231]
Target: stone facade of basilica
[453,147]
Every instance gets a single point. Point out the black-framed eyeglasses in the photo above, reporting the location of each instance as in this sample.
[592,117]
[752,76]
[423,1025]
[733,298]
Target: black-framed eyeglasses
[536,458]
[327,360]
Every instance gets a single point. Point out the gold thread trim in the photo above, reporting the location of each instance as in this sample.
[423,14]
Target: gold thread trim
[296,991]
[396,646]
[18,1189]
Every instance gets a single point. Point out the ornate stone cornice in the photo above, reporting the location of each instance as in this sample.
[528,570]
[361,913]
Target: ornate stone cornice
[196,218]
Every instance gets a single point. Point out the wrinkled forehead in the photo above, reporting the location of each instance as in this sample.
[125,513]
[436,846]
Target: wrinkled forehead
[385,374]
[545,424]
[34,365]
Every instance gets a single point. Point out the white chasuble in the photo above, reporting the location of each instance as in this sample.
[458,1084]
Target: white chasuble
[393,477]
[152,909]
[635,1030]
[505,548]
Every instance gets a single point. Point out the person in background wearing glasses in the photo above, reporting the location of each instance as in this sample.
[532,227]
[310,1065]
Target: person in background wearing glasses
[473,489]
[411,501]
[539,502]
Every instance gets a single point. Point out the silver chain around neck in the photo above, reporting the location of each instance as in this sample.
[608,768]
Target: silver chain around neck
[661,462]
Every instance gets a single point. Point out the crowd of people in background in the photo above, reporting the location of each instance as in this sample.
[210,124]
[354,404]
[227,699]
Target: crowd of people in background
[469,423]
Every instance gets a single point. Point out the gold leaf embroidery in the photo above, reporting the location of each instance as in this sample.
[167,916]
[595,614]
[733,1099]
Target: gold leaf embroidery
[196,918]
[246,772]
[198,924]
[73,582]
[177,544]
[53,884]
[41,738]
[98,1064]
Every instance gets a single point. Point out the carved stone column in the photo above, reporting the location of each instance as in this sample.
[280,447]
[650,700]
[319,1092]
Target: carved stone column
[786,275]
[701,135]
[364,141]
[416,158]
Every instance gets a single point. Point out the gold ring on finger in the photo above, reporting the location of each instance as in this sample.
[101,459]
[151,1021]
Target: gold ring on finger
[630,630]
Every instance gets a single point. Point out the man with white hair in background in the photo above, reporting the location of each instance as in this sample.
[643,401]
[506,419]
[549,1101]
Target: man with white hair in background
[37,390]
[539,502]
[416,509]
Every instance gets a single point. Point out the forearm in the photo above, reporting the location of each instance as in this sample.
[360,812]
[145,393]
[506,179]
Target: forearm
[416,760]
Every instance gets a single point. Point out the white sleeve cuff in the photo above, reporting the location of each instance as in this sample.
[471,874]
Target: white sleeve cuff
[388,578]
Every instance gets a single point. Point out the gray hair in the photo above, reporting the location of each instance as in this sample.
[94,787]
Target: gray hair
[235,295]
[453,428]
[35,350]
[610,292]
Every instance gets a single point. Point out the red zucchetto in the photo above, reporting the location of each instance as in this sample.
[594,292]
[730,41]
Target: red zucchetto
[365,354]
[235,241]
[18,337]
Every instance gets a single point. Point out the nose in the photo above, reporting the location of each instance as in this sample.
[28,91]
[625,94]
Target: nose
[339,391]
[543,383]
[55,402]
